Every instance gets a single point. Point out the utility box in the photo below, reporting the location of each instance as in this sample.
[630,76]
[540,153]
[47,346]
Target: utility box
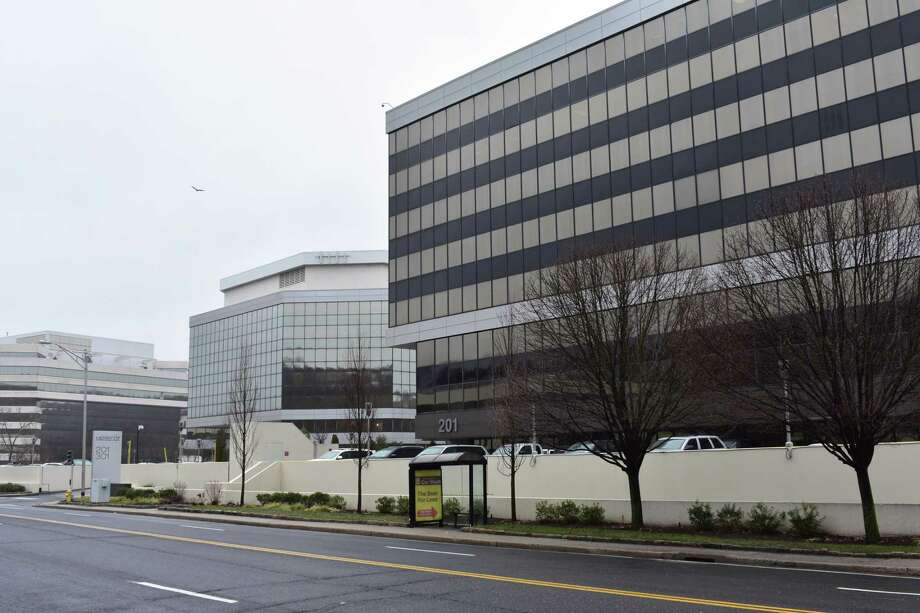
[99,490]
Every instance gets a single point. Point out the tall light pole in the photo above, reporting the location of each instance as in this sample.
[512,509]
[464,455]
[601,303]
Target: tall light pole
[84,359]
[137,444]
[784,373]
[368,409]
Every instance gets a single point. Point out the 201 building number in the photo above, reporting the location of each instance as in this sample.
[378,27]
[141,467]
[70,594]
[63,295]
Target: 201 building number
[447,425]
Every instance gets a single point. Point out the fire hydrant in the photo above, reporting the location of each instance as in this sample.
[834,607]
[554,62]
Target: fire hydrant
[68,496]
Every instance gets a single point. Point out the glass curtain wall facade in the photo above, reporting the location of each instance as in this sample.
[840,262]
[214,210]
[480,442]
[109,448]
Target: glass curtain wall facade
[301,354]
[676,130]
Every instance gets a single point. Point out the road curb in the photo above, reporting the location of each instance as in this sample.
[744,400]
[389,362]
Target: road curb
[595,548]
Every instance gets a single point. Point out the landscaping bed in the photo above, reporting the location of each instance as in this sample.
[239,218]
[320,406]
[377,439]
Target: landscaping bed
[317,506]
[890,547]
[296,512]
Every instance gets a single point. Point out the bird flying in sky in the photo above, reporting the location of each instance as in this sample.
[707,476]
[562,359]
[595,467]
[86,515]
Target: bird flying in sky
[197,189]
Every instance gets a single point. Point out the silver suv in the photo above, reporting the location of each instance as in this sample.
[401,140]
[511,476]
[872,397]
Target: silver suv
[697,442]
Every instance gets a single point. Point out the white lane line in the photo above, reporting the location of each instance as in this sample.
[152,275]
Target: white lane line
[149,519]
[761,567]
[184,592]
[23,498]
[856,589]
[12,506]
[77,514]
[201,527]
[447,553]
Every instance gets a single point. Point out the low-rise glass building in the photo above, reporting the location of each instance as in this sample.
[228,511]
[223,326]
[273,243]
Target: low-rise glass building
[301,320]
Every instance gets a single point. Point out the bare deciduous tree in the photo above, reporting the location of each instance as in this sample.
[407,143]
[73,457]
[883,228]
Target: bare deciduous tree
[361,411]
[512,414]
[244,392]
[612,334]
[823,295]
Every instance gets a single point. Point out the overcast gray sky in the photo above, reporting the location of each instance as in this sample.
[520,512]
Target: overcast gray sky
[109,111]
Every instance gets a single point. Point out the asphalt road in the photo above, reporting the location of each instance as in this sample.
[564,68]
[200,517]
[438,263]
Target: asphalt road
[72,560]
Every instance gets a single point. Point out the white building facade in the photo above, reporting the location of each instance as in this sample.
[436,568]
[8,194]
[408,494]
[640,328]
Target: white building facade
[41,396]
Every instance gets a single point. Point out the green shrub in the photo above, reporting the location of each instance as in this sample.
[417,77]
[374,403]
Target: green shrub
[701,517]
[730,519]
[568,512]
[546,512]
[11,488]
[479,509]
[591,514]
[402,505]
[293,498]
[317,499]
[288,497]
[806,521]
[168,495]
[337,503]
[451,507]
[564,512]
[763,519]
[386,504]
[134,494]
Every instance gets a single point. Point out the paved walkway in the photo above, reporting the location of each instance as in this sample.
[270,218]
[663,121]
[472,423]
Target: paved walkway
[837,563]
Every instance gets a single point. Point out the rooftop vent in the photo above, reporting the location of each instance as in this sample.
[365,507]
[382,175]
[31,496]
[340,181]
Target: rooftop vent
[291,277]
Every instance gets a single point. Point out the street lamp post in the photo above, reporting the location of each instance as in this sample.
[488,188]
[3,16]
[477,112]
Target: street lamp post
[83,359]
[137,444]
[784,373]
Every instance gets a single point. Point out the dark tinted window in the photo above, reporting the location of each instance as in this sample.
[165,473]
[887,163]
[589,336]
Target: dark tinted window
[406,452]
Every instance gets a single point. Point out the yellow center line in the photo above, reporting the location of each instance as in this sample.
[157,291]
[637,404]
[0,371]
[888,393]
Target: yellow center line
[430,570]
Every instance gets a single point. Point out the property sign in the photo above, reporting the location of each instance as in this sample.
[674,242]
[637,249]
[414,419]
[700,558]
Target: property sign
[106,455]
[428,495]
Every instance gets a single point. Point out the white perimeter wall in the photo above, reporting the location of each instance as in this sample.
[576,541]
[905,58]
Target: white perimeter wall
[670,482]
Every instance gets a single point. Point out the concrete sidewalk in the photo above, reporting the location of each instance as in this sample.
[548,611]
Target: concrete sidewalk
[833,563]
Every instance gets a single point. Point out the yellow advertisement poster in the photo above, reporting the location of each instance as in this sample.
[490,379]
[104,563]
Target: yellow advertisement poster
[428,495]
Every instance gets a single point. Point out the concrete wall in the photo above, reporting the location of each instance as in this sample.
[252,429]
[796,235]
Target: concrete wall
[670,482]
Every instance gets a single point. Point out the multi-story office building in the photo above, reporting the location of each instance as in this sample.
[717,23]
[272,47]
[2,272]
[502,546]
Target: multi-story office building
[655,120]
[41,396]
[301,319]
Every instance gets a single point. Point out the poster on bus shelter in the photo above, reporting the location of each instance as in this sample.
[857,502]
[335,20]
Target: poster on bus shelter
[428,495]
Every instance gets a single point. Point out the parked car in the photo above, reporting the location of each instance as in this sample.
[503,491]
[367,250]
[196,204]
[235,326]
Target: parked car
[397,451]
[520,449]
[343,454]
[580,447]
[583,447]
[696,442]
[444,449]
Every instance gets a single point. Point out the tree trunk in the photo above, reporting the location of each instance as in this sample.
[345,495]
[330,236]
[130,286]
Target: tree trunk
[870,521]
[513,492]
[635,498]
[243,478]
[359,484]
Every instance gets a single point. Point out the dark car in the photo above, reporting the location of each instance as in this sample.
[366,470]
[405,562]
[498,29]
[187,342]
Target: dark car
[397,451]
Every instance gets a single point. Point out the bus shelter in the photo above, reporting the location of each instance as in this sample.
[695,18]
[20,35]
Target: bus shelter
[426,491]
